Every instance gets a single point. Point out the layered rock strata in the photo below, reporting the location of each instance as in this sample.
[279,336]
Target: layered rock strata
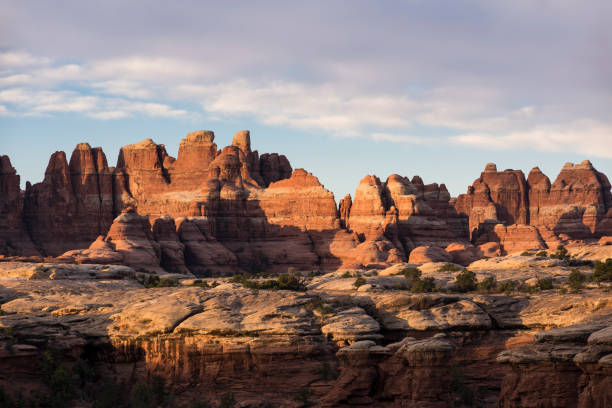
[536,213]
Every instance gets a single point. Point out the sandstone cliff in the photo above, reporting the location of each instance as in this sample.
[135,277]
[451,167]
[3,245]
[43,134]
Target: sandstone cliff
[230,209]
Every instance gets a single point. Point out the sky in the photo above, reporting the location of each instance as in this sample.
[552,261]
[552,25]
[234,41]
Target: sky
[343,88]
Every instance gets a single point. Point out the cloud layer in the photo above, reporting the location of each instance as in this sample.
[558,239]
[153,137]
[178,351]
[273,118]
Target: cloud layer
[492,75]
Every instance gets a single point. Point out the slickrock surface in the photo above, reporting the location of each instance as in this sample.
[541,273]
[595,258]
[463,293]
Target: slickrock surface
[347,347]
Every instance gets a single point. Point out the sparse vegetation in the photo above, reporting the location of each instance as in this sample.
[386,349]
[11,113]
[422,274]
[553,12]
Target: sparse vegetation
[507,287]
[575,280]
[545,283]
[283,282]
[359,282]
[542,254]
[561,253]
[346,274]
[450,267]
[603,271]
[488,284]
[465,281]
[423,285]
[525,253]
[200,283]
[410,273]
[153,281]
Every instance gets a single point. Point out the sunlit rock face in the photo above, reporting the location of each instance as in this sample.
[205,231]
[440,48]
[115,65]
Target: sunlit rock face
[255,213]
[576,206]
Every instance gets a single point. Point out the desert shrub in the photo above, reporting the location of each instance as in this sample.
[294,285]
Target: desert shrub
[410,274]
[153,281]
[525,253]
[561,253]
[200,283]
[542,254]
[283,282]
[449,267]
[359,282]
[346,274]
[465,281]
[562,291]
[322,308]
[575,279]
[545,283]
[603,271]
[423,285]
[507,287]
[327,373]
[488,284]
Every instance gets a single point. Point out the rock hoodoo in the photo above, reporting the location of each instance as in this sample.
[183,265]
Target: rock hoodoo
[225,210]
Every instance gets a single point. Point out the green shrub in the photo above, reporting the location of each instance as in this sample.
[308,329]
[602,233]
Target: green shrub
[525,253]
[545,283]
[449,267]
[542,254]
[200,283]
[575,279]
[603,271]
[507,287]
[561,253]
[359,282]
[153,281]
[465,281]
[346,274]
[423,285]
[283,282]
[488,284]
[411,274]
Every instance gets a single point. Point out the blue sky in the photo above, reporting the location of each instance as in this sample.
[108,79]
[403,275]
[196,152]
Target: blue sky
[343,88]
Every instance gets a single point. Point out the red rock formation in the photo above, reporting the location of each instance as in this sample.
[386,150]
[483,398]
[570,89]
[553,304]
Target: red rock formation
[514,238]
[252,212]
[575,206]
[13,237]
[424,254]
[172,249]
[495,196]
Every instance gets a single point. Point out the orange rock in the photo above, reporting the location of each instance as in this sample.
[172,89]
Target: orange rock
[425,254]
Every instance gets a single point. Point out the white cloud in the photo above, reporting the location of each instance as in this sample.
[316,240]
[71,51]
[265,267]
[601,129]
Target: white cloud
[109,115]
[18,59]
[395,138]
[587,137]
[118,88]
